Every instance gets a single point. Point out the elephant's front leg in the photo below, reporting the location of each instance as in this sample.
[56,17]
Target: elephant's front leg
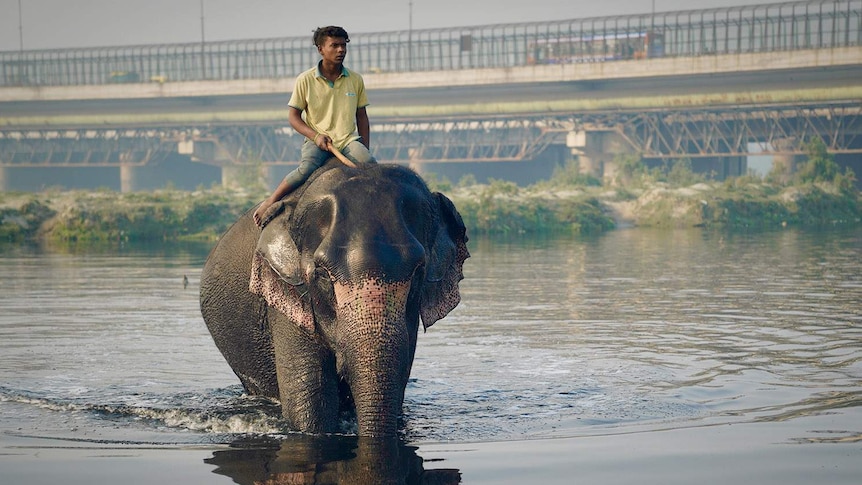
[307,382]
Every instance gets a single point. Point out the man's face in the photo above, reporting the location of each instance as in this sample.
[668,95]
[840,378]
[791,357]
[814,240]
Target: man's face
[333,49]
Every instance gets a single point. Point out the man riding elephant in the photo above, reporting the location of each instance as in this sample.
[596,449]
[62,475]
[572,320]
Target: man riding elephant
[333,100]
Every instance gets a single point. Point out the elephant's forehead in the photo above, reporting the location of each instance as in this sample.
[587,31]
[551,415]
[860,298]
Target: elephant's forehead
[377,173]
[334,180]
[329,177]
[353,186]
[374,190]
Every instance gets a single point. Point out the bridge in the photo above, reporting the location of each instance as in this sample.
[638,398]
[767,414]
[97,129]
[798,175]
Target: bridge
[713,85]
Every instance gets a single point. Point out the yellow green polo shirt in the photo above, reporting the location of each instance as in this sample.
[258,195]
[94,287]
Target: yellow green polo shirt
[329,107]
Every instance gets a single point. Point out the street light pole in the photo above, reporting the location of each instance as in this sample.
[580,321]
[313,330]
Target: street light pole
[410,37]
[20,28]
[652,18]
[203,48]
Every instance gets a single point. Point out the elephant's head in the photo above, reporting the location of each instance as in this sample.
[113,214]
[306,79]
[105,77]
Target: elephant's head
[356,259]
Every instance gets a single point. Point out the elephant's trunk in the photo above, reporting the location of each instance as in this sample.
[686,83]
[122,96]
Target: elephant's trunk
[375,351]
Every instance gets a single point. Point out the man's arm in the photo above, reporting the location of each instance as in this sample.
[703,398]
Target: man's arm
[363,126]
[294,116]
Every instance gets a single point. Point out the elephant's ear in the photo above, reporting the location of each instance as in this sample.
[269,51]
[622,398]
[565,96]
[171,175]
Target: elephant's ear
[445,264]
[276,274]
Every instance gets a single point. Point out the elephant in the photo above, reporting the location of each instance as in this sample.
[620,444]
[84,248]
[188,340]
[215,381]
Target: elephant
[320,309]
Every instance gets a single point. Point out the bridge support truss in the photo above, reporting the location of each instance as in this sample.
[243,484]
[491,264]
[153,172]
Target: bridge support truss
[725,135]
[127,150]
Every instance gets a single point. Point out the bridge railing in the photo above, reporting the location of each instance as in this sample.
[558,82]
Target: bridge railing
[744,29]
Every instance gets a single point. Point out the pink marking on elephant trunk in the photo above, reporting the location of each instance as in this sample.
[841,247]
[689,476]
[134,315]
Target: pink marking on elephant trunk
[375,350]
[372,301]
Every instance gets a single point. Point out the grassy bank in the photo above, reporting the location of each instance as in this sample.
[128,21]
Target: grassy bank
[106,216]
[817,194]
[496,208]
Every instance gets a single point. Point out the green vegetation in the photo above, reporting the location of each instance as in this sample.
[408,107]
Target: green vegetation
[105,216]
[21,224]
[251,175]
[502,207]
[670,195]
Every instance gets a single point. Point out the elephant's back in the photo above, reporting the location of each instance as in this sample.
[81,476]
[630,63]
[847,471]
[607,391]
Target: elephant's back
[234,316]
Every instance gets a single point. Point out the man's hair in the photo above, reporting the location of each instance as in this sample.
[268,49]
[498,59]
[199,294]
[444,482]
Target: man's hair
[330,31]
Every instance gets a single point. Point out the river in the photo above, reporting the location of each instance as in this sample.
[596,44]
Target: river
[656,356]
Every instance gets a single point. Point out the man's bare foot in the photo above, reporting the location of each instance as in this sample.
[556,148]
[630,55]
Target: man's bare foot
[260,212]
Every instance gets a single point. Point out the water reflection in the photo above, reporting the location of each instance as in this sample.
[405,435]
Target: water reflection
[302,459]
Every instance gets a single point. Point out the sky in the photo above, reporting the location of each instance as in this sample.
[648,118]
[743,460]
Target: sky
[49,24]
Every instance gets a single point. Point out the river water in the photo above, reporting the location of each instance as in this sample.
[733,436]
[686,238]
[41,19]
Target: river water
[661,356]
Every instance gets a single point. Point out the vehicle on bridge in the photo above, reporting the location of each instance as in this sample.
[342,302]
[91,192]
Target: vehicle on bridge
[123,77]
[596,48]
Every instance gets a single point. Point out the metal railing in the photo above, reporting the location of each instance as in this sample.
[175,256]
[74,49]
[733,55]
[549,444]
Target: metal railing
[756,28]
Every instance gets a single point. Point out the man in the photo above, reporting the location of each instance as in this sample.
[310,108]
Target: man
[333,100]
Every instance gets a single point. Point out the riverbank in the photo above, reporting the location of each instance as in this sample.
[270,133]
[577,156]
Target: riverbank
[107,216]
[495,208]
[737,203]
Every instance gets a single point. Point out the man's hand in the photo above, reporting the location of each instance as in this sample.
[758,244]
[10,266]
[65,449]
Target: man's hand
[323,141]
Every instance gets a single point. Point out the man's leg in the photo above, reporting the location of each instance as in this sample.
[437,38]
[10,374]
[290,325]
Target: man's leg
[358,153]
[312,158]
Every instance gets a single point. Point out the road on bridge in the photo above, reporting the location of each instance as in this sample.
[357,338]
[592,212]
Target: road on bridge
[410,103]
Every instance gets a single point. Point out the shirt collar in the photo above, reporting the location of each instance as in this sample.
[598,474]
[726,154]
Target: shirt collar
[344,71]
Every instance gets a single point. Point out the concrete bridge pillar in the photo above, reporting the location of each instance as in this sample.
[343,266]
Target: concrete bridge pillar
[597,151]
[231,176]
[211,152]
[415,155]
[588,165]
[129,178]
[784,162]
[4,179]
